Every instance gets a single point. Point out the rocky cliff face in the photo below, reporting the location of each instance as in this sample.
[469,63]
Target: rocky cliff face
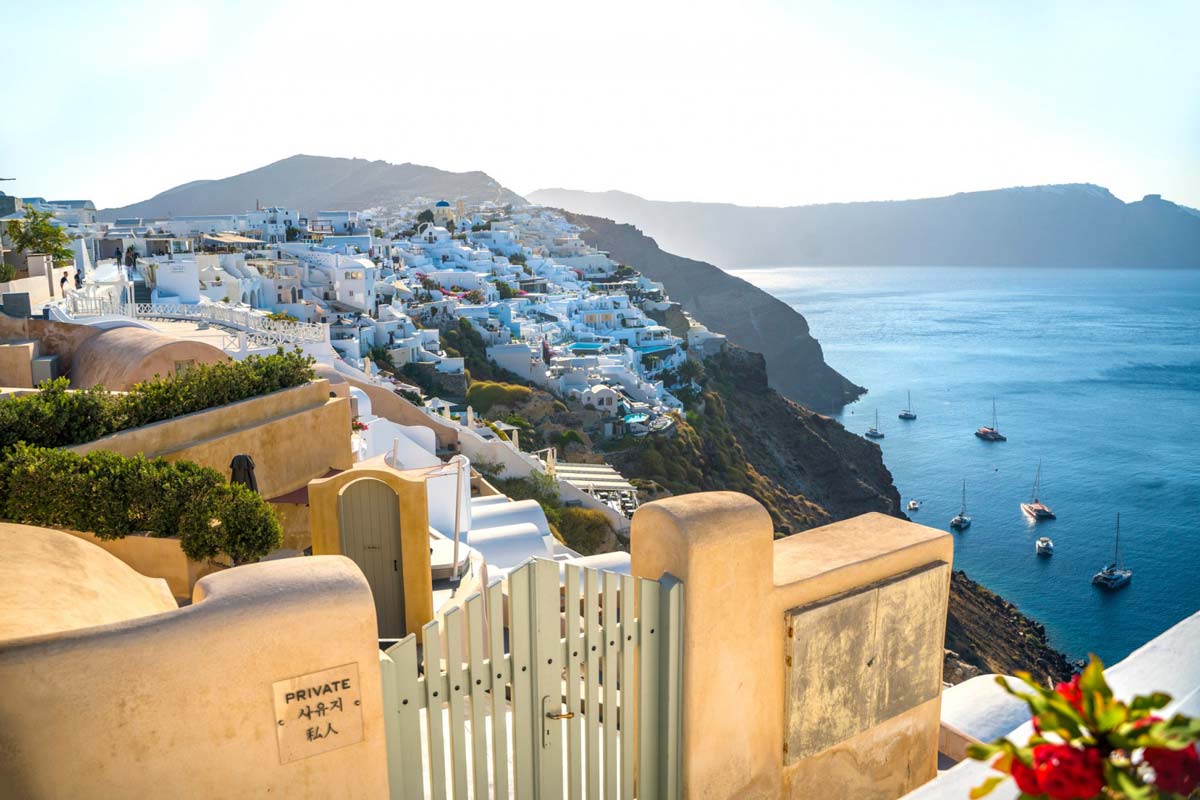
[750,317]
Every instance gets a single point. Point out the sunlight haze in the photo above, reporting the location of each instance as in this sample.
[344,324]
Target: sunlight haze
[751,103]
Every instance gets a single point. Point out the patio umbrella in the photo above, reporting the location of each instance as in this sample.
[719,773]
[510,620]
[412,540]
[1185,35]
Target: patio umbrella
[242,468]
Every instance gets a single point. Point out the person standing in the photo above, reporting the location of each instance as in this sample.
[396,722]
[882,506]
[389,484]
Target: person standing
[62,285]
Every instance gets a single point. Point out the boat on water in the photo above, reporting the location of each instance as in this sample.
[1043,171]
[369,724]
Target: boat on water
[993,433]
[907,412]
[1044,546]
[914,505]
[1116,574]
[1035,508]
[873,432]
[962,520]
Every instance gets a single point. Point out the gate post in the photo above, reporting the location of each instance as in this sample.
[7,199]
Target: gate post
[718,544]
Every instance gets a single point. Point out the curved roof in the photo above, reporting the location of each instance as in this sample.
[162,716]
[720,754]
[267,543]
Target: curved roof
[441,204]
[51,582]
[120,357]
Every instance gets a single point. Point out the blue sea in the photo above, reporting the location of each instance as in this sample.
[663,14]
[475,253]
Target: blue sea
[1096,373]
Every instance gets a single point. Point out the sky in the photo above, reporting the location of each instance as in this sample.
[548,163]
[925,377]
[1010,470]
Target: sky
[756,103]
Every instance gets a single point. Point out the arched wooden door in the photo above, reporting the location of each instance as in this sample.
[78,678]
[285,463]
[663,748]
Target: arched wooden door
[369,520]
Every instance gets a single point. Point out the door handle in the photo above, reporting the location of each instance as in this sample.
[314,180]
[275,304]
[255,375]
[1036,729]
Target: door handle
[562,715]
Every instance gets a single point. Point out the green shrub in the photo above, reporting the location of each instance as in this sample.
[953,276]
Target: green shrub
[113,496]
[482,395]
[566,437]
[57,417]
[584,530]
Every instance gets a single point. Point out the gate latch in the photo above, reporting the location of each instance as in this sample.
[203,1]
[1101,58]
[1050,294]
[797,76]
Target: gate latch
[556,715]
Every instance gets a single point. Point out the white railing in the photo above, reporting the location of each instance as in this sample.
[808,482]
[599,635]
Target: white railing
[262,330]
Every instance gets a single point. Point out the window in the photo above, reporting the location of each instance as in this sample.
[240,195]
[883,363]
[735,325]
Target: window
[183,366]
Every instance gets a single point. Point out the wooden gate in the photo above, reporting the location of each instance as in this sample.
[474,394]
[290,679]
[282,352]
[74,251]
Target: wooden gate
[369,519]
[547,685]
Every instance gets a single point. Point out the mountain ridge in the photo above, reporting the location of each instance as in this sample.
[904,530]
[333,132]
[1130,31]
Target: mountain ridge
[1078,224]
[314,183]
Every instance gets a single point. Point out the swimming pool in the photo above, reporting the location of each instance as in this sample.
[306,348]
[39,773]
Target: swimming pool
[587,346]
[653,348]
[630,418]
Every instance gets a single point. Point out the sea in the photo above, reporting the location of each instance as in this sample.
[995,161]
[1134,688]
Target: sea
[1095,375]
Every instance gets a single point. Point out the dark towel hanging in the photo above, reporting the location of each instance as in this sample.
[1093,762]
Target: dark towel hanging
[242,468]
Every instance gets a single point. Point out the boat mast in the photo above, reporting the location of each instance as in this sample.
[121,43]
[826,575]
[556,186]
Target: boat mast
[993,412]
[1037,482]
[963,510]
[1117,546]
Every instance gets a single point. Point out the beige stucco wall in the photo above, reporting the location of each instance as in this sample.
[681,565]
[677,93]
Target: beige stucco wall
[54,338]
[181,704]
[738,585]
[293,435]
[409,486]
[156,558]
[52,582]
[16,364]
[120,357]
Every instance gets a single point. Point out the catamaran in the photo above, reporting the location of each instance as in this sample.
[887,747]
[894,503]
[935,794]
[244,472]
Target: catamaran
[907,412]
[1035,508]
[962,520]
[993,433]
[873,432]
[1116,574]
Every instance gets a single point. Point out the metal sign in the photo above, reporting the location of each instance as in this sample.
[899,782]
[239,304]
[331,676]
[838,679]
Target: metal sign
[318,712]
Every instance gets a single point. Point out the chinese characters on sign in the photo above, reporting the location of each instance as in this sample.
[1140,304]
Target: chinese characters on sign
[317,712]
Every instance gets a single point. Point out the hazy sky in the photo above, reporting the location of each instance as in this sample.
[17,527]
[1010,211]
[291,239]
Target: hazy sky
[754,103]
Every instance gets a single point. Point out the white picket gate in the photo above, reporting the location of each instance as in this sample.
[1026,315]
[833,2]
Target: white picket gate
[543,686]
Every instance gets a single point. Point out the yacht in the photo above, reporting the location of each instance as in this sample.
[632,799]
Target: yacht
[993,433]
[914,505]
[1035,508]
[907,412]
[873,432]
[1116,574]
[962,520]
[1044,546]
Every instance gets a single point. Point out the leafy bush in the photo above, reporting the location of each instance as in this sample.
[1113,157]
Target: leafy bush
[584,530]
[506,291]
[113,496]
[57,417]
[7,272]
[482,395]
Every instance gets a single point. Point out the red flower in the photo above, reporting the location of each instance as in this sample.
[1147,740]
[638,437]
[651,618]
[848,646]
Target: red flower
[1068,773]
[1072,693]
[1025,777]
[1176,771]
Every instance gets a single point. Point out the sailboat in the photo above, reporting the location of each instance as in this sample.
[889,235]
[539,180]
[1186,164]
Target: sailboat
[1035,508]
[1115,575]
[991,434]
[873,432]
[962,520]
[907,412]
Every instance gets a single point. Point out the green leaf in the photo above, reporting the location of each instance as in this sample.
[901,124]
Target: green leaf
[1150,702]
[987,787]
